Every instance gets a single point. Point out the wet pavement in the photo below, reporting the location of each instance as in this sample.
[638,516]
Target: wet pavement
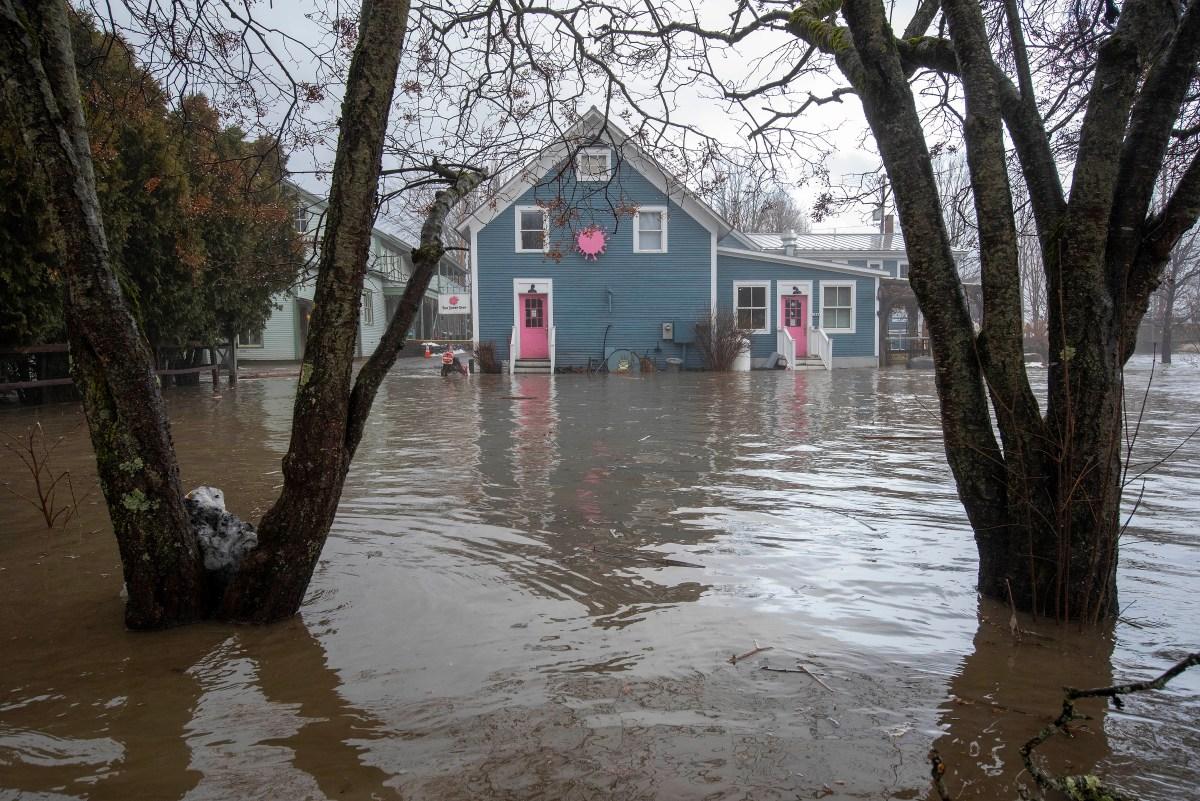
[534,587]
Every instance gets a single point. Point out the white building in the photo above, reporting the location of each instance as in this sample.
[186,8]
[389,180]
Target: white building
[388,269]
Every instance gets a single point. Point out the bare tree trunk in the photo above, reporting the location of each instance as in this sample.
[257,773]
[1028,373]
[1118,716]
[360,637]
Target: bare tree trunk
[272,579]
[1165,344]
[113,365]
[1044,502]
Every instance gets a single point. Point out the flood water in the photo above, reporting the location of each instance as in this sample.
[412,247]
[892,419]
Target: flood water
[491,618]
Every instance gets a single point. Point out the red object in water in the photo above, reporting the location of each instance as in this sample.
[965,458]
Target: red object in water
[427,353]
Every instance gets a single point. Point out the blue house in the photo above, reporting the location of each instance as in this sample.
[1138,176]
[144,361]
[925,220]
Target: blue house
[595,252]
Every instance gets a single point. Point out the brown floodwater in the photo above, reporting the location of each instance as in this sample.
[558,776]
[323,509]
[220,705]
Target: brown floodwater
[491,618]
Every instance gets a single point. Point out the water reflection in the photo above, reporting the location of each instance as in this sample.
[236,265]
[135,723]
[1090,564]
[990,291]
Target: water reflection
[491,617]
[1007,689]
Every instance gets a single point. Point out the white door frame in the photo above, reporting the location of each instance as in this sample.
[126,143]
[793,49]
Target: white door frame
[521,287]
[806,288]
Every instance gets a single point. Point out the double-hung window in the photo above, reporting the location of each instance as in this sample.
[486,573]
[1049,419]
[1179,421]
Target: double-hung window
[533,234]
[650,230]
[301,220]
[368,307]
[751,307]
[837,307]
[593,164]
[250,339]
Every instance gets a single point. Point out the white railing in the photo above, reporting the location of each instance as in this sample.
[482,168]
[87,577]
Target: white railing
[785,343]
[553,331]
[824,347]
[512,357]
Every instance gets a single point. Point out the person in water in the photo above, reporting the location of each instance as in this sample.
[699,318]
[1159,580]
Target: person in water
[448,360]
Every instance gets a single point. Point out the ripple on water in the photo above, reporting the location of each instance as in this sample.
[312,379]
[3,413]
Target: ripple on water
[539,598]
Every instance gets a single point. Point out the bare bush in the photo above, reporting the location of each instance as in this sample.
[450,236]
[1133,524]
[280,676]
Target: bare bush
[35,454]
[720,340]
[485,357]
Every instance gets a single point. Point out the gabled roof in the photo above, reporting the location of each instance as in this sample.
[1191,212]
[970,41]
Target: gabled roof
[392,239]
[590,125]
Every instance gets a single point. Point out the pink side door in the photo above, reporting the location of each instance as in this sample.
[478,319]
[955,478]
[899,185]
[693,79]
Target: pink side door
[794,313]
[535,338]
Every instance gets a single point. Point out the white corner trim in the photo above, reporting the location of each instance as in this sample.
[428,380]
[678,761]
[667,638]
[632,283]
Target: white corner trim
[766,300]
[637,228]
[793,261]
[517,212]
[475,285]
[853,329]
[712,277]
[879,324]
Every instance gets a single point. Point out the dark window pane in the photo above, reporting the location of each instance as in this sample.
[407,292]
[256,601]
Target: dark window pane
[759,318]
[744,318]
[532,240]
[759,293]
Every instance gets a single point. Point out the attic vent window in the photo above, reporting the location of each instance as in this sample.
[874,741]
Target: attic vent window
[593,164]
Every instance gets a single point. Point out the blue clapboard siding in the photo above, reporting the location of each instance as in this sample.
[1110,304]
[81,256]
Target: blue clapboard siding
[647,289]
[861,343]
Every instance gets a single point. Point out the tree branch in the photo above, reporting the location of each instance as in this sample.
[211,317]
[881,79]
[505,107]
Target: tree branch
[425,261]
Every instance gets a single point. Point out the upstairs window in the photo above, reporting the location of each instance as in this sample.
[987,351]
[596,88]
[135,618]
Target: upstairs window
[593,164]
[533,229]
[837,307]
[650,230]
[750,306]
[301,220]
[903,269]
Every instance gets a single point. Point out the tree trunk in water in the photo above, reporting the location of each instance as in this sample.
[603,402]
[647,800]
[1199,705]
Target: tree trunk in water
[272,579]
[1044,501]
[113,366]
[1165,344]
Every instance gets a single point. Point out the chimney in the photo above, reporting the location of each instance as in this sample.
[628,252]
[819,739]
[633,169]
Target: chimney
[889,225]
[789,243]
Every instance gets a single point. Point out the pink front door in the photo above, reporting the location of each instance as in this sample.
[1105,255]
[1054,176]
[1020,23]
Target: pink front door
[793,312]
[535,340]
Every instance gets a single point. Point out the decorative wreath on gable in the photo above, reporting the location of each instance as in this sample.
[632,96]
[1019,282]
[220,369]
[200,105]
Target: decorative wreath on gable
[591,242]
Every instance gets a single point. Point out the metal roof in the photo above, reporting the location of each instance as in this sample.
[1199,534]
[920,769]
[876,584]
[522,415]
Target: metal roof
[864,243]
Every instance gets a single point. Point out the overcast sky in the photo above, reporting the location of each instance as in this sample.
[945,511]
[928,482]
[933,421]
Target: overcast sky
[844,121]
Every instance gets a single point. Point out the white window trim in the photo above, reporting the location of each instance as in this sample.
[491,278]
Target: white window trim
[853,307]
[594,151]
[875,265]
[261,339]
[368,297]
[766,300]
[637,229]
[545,229]
[902,269]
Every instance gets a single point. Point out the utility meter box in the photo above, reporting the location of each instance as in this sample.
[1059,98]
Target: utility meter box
[668,331]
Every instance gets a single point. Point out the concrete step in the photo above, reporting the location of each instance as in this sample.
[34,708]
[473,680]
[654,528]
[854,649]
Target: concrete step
[531,370]
[533,362]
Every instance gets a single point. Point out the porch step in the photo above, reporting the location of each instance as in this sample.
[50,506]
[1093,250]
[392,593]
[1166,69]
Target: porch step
[532,366]
[809,364]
